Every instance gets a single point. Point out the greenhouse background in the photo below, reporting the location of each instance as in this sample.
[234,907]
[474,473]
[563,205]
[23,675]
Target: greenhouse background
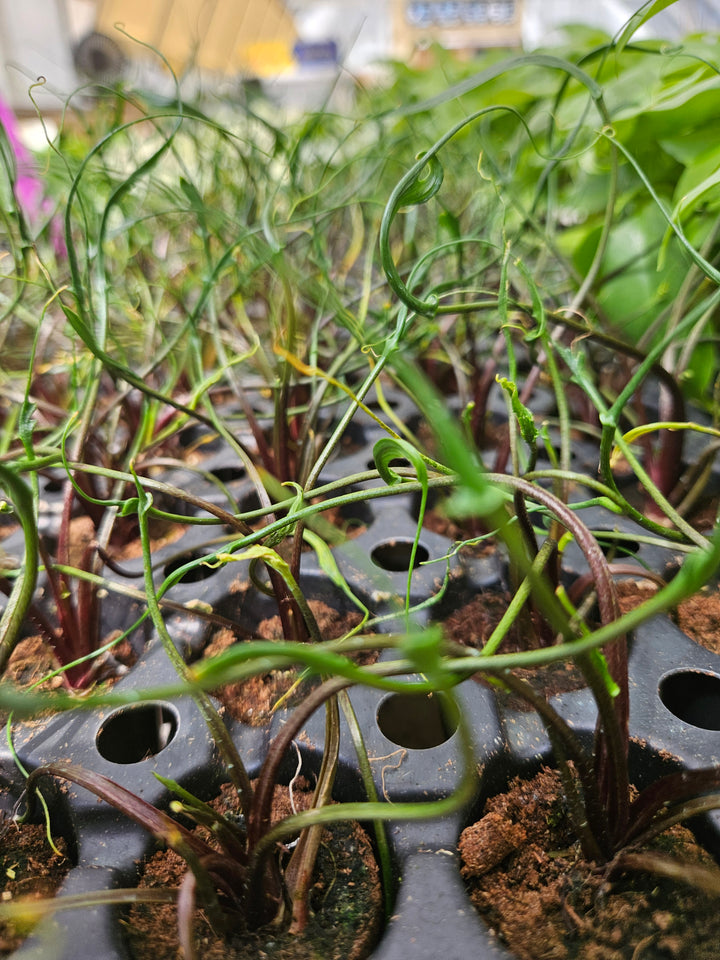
[294,47]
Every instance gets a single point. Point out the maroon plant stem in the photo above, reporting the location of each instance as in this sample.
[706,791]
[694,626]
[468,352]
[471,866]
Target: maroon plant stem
[299,872]
[669,460]
[607,598]
[264,451]
[613,712]
[259,819]
[61,637]
[588,816]
[655,802]
[481,392]
[281,436]
[134,807]
[264,883]
[291,618]
[538,627]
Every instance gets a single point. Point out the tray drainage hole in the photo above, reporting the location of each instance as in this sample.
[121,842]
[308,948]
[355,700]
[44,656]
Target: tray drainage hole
[394,462]
[614,546]
[201,572]
[395,555]
[417,721]
[54,485]
[135,733]
[228,474]
[693,696]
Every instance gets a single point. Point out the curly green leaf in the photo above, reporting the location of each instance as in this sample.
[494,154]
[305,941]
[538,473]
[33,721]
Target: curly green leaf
[524,417]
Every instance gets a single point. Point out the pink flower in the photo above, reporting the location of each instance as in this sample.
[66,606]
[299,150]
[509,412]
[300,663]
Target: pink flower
[29,192]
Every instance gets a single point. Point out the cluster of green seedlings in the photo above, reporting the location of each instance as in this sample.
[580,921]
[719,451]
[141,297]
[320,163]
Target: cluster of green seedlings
[544,240]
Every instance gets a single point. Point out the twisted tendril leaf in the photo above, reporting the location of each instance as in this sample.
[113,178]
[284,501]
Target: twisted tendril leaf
[385,450]
[415,187]
[704,265]
[418,186]
[497,70]
[329,566]
[525,419]
[424,185]
[274,561]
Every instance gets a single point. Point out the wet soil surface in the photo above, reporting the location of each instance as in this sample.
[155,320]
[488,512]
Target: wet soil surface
[526,876]
[346,901]
[28,869]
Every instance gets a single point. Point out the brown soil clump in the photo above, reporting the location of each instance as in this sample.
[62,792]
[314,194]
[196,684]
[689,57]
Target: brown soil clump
[472,626]
[33,658]
[473,623]
[698,616]
[252,701]
[631,593]
[526,875]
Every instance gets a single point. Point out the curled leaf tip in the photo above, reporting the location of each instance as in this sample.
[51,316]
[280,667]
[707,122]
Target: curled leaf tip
[425,182]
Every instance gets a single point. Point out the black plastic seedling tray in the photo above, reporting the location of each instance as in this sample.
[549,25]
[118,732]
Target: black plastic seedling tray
[413,748]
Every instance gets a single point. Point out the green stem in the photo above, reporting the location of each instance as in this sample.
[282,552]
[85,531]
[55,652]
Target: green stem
[518,600]
[370,810]
[381,840]
[20,598]
[231,758]
[298,875]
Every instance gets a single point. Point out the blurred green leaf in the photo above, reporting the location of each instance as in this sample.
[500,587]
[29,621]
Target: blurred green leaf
[644,14]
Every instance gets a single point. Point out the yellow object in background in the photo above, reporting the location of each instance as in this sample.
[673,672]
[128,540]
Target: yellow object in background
[267,58]
[223,36]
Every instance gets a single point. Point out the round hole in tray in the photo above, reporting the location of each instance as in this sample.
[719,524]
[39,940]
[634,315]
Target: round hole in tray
[229,474]
[693,696]
[137,732]
[417,721]
[53,484]
[249,501]
[394,555]
[201,572]
[394,462]
[612,544]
